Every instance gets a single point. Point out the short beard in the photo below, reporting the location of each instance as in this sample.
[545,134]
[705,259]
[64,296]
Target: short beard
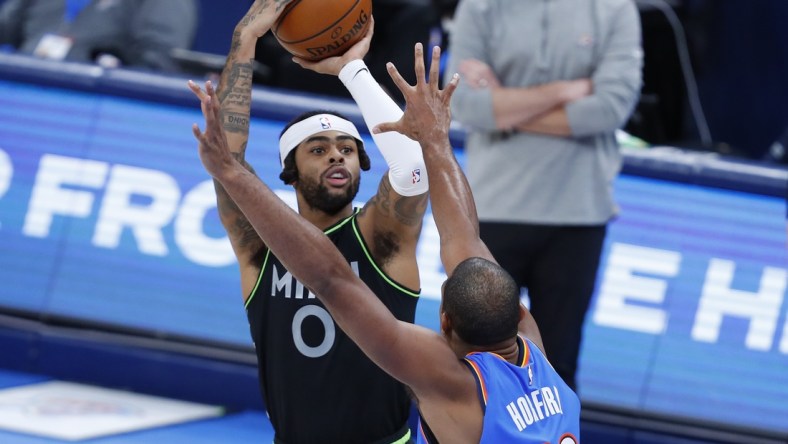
[317,196]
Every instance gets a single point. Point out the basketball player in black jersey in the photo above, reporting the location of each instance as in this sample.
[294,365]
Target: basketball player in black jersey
[317,384]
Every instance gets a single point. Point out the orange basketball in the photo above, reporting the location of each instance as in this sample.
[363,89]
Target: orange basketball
[316,29]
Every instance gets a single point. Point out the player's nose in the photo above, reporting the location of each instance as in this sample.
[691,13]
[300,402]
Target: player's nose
[336,156]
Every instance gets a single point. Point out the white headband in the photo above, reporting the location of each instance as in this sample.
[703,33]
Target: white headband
[300,131]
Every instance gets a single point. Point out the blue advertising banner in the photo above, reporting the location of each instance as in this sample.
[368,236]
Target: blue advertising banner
[107,215]
[689,317]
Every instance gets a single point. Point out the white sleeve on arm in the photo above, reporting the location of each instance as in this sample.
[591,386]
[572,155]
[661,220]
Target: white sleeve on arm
[407,173]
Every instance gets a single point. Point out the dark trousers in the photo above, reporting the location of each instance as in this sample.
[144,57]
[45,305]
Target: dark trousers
[558,266]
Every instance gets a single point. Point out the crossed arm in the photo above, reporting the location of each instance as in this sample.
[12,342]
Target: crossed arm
[599,103]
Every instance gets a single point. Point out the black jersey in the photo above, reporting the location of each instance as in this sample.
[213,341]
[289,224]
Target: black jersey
[318,386]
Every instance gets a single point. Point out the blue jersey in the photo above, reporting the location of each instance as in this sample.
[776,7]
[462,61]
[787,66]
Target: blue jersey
[525,403]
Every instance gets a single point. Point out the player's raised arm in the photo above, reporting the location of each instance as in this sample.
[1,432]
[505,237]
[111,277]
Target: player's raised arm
[234,94]
[427,120]
[453,206]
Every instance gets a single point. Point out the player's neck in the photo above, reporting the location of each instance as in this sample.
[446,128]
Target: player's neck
[321,219]
[507,349]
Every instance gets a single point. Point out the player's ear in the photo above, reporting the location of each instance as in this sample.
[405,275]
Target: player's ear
[446,326]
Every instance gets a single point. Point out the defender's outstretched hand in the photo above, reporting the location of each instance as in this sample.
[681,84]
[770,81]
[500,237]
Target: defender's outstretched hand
[427,112]
[214,151]
[427,119]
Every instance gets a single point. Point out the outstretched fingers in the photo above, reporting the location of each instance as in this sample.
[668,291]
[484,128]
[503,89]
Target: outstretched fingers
[404,88]
[195,88]
[418,54]
[213,149]
[435,75]
[401,83]
[212,103]
[201,96]
[448,90]
[424,100]
[209,104]
[196,131]
[435,67]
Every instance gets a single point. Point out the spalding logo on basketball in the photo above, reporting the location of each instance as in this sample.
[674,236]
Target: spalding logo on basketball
[316,29]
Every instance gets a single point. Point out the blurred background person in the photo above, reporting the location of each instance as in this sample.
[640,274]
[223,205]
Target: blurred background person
[545,85]
[113,33]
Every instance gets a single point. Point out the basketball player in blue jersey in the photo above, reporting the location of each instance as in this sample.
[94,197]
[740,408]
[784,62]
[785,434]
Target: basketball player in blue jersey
[318,386]
[485,378]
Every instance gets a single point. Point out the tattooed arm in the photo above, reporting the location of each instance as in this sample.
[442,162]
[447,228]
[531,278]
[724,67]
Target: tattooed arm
[235,96]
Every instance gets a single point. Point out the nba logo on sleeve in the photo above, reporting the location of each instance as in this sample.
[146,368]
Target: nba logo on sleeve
[416,175]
